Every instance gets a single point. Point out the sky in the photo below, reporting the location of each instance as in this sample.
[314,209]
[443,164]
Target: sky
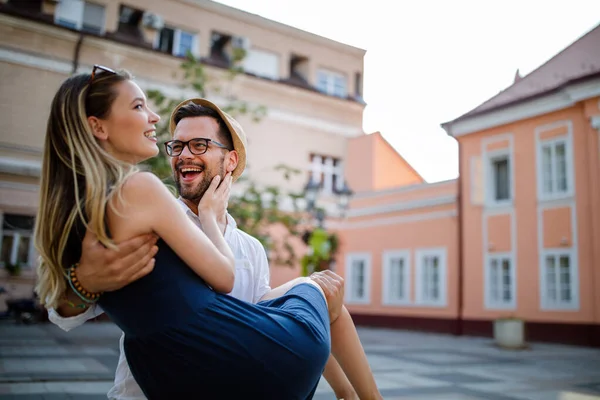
[430,61]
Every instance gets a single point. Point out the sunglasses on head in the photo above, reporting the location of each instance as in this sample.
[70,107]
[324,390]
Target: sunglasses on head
[101,68]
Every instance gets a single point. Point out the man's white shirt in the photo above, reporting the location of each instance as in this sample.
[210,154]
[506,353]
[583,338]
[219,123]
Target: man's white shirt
[251,284]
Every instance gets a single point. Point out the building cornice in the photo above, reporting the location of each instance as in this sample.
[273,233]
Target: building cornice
[21,148]
[15,166]
[387,221]
[402,189]
[402,206]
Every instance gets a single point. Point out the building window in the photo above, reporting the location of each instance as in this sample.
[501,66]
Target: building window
[220,44]
[499,176]
[332,83]
[262,63]
[299,67]
[500,281]
[501,179]
[358,278]
[80,15]
[431,277]
[328,171]
[176,41]
[358,85]
[554,175]
[17,240]
[559,280]
[396,277]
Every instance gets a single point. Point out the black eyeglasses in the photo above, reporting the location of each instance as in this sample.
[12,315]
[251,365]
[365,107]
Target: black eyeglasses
[101,68]
[197,146]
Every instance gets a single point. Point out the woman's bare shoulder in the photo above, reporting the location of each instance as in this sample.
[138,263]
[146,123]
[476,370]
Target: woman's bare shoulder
[134,204]
[141,181]
[143,186]
[141,191]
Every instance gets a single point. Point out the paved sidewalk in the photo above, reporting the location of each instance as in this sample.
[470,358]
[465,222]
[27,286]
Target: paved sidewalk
[42,362]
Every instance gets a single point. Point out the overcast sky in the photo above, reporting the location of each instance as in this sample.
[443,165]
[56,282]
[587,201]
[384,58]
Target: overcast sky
[428,62]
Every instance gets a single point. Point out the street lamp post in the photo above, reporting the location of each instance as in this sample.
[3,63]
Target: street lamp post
[311,191]
[311,194]
[322,245]
[345,194]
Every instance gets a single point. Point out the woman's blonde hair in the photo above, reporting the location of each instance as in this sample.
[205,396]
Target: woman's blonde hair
[78,179]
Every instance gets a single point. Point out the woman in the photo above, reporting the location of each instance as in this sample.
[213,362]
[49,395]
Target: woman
[183,337]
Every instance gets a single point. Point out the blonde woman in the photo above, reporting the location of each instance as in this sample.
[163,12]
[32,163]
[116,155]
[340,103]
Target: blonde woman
[184,338]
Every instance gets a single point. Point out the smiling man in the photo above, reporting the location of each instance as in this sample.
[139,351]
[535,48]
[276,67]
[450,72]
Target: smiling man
[197,126]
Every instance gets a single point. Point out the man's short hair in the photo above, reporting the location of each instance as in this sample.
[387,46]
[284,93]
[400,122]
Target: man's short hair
[195,110]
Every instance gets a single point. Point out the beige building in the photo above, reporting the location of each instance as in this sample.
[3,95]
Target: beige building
[310,85]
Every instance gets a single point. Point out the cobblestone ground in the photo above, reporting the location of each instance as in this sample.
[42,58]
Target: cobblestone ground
[42,362]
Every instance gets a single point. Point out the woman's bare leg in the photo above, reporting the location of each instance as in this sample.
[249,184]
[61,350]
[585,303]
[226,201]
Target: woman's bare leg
[345,343]
[337,379]
[348,351]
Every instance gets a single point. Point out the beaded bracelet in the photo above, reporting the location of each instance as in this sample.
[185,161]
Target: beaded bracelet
[83,294]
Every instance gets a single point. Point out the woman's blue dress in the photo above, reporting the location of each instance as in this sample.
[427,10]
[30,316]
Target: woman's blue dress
[185,341]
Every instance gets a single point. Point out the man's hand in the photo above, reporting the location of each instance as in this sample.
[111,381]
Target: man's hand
[333,287]
[215,200]
[104,270]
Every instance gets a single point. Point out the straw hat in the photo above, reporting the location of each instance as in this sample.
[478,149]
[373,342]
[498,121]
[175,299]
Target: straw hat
[237,133]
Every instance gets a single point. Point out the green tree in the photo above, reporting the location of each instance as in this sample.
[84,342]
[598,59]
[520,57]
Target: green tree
[322,249]
[253,213]
[257,212]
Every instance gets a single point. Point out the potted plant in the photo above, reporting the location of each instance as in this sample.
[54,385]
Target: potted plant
[509,332]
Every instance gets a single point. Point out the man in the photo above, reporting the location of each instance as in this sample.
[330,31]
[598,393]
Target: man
[206,142]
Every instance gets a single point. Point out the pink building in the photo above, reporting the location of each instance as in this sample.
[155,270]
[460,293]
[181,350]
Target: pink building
[516,235]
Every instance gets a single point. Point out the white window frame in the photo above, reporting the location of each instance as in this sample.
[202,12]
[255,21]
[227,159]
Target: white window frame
[176,41]
[570,174]
[78,21]
[349,279]
[261,71]
[501,304]
[15,247]
[546,303]
[490,186]
[330,79]
[324,165]
[420,298]
[388,257]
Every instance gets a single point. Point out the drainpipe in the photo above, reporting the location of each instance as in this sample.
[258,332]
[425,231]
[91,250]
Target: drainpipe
[593,154]
[459,205]
[76,53]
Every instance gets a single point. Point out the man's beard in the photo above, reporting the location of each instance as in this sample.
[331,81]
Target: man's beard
[195,193]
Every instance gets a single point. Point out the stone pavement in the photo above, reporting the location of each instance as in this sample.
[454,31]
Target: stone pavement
[42,362]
